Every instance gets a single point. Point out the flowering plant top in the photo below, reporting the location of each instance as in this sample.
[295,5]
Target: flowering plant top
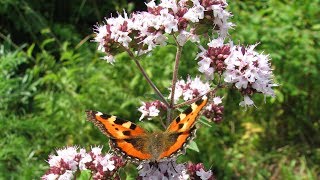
[221,64]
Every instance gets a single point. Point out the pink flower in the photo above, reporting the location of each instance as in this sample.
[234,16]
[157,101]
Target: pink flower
[190,89]
[167,169]
[151,109]
[143,31]
[195,13]
[64,164]
[246,102]
[68,161]
[250,72]
[203,174]
[214,111]
[197,171]
[213,59]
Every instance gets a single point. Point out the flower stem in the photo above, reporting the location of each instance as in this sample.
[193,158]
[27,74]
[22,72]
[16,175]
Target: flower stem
[174,80]
[148,79]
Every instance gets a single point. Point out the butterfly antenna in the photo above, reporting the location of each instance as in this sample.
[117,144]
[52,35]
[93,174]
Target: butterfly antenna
[173,166]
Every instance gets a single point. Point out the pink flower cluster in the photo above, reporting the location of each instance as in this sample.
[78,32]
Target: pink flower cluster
[151,109]
[214,111]
[70,160]
[190,89]
[250,72]
[243,67]
[170,170]
[197,171]
[212,60]
[143,31]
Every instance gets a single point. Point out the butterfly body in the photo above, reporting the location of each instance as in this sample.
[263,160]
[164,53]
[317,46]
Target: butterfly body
[137,144]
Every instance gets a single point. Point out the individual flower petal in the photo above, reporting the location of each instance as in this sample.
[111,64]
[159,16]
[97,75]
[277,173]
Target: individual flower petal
[203,174]
[246,102]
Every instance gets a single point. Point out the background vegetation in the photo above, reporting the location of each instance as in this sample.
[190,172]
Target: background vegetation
[50,73]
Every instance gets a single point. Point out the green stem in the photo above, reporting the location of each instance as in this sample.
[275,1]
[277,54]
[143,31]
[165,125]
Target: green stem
[174,81]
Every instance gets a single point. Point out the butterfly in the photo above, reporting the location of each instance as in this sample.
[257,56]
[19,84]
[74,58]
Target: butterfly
[138,145]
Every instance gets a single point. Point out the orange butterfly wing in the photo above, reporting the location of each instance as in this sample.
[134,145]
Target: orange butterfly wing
[182,129]
[132,141]
[125,137]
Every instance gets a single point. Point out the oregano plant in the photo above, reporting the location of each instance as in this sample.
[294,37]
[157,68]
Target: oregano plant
[221,65]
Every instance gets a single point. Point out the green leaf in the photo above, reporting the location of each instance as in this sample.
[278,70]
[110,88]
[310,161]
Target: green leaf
[193,146]
[204,121]
[85,175]
[46,42]
[30,50]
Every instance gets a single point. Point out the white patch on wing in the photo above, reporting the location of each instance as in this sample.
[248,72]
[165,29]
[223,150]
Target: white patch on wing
[127,124]
[182,116]
[99,113]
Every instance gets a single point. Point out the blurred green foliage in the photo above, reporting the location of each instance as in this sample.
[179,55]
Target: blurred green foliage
[50,73]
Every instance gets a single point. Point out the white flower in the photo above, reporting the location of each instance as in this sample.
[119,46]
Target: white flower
[217,100]
[215,43]
[50,177]
[96,150]
[148,110]
[168,21]
[205,67]
[85,159]
[67,155]
[184,36]
[167,169]
[248,69]
[109,58]
[107,163]
[169,4]
[190,89]
[184,175]
[195,13]
[246,102]
[101,32]
[203,174]
[151,4]
[68,175]
[117,32]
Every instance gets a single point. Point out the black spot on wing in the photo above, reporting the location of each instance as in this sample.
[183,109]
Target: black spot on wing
[126,133]
[120,121]
[188,111]
[133,126]
[180,126]
[105,116]
[174,136]
[178,119]
[137,143]
[132,141]
[199,102]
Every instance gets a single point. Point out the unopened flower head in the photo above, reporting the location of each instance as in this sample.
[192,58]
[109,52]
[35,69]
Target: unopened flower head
[214,110]
[213,59]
